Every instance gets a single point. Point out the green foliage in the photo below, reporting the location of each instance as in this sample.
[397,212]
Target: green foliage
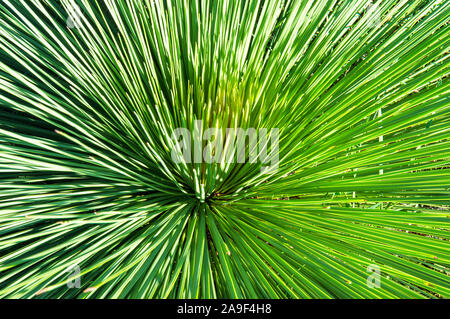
[87,105]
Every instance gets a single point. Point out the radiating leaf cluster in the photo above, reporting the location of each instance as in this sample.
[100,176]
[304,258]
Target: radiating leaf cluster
[91,91]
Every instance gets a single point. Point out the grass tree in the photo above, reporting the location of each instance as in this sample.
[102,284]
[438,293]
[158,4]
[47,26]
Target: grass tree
[91,91]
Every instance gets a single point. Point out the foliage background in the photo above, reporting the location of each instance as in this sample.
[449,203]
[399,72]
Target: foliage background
[359,92]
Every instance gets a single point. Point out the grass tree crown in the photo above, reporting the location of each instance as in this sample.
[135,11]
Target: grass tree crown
[118,178]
